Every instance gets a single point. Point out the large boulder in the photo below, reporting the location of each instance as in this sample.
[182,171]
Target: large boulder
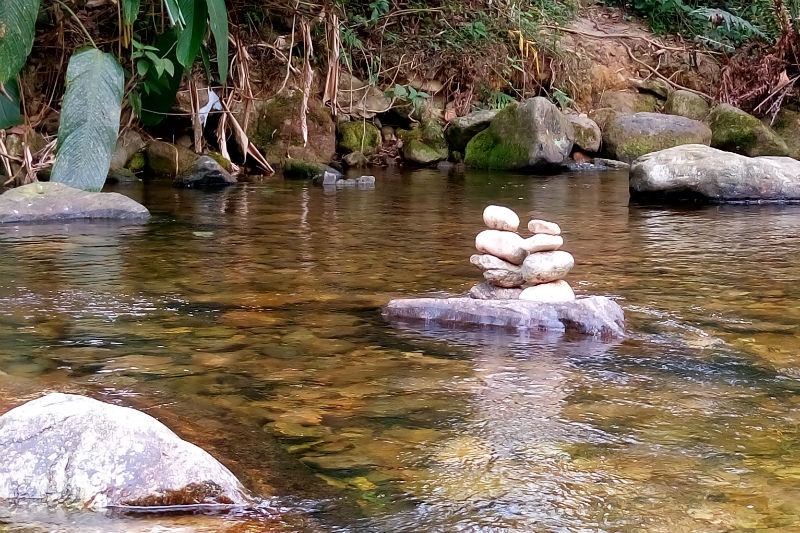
[359,136]
[524,135]
[71,450]
[628,102]
[424,143]
[734,130]
[630,136]
[787,125]
[275,128]
[167,160]
[686,104]
[593,315]
[700,173]
[587,134]
[462,129]
[56,202]
[205,173]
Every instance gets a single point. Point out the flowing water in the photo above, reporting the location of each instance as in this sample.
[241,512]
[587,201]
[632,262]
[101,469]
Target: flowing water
[249,321]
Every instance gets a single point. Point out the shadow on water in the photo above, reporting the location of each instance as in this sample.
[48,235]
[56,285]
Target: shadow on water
[249,322]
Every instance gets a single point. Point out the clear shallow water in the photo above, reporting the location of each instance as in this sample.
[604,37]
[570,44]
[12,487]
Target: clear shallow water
[249,322]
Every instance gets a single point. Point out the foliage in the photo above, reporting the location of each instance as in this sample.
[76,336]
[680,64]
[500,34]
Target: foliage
[9,106]
[562,99]
[17,22]
[87,132]
[409,94]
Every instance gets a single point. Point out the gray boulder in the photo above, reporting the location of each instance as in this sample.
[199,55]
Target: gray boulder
[204,173]
[586,132]
[71,450]
[697,172]
[594,315]
[686,104]
[524,135]
[629,136]
[734,130]
[462,129]
[628,102]
[56,202]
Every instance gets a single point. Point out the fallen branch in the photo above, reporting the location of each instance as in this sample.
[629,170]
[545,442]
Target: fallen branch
[666,79]
[617,35]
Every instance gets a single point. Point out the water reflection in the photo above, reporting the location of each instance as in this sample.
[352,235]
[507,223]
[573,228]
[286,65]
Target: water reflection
[249,321]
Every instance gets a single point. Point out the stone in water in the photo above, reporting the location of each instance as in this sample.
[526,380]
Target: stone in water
[544,267]
[555,291]
[502,218]
[501,277]
[503,244]
[489,262]
[543,226]
[542,242]
[487,291]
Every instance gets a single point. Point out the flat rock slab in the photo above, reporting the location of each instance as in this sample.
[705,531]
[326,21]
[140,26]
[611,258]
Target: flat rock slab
[70,450]
[55,202]
[593,315]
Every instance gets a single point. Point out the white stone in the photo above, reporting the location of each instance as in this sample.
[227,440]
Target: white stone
[503,244]
[499,217]
[555,291]
[543,226]
[506,279]
[490,262]
[544,267]
[542,242]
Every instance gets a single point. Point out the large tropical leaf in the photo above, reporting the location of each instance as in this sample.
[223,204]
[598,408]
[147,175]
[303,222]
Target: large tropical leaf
[9,106]
[130,11]
[17,24]
[218,16]
[190,38]
[89,123]
[158,91]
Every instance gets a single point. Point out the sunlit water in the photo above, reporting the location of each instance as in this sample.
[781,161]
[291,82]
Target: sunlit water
[248,320]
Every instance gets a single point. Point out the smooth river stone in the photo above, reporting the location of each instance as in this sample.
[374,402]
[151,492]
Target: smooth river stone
[487,291]
[542,242]
[503,244]
[555,291]
[489,262]
[544,267]
[501,218]
[543,226]
[501,277]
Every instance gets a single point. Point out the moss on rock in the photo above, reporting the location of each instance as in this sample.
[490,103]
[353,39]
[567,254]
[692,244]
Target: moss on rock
[686,104]
[223,161]
[359,136]
[628,137]
[734,130]
[424,143]
[136,162]
[297,169]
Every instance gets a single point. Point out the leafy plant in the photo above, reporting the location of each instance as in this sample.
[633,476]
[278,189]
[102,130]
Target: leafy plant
[87,131]
[10,105]
[411,95]
[17,26]
[562,99]
[378,9]
[498,100]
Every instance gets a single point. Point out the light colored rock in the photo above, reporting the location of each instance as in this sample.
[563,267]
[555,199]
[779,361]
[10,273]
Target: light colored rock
[462,129]
[501,277]
[544,267]
[595,315]
[587,133]
[629,136]
[695,172]
[489,262]
[75,451]
[555,291]
[503,244]
[686,104]
[542,242]
[628,102]
[543,226]
[499,217]
[487,291]
[55,202]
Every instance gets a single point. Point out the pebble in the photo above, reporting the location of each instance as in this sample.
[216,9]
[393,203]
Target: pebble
[487,291]
[507,279]
[503,244]
[500,218]
[543,226]
[490,262]
[555,291]
[543,242]
[544,267]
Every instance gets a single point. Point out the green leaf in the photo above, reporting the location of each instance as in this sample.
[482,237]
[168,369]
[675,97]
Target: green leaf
[218,16]
[175,14]
[190,39]
[17,25]
[130,10]
[142,66]
[89,123]
[9,106]
[159,91]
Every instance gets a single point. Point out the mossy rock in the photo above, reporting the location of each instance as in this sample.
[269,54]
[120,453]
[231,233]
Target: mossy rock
[628,137]
[136,163]
[424,143]
[167,160]
[359,136]
[787,125]
[462,129]
[524,135]
[295,169]
[686,104]
[628,102]
[274,127]
[221,160]
[587,133]
[734,130]
[603,116]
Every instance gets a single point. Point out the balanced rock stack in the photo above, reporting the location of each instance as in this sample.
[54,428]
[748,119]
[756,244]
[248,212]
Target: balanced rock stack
[509,261]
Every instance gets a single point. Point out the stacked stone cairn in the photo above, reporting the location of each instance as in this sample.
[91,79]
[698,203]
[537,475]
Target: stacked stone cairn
[529,268]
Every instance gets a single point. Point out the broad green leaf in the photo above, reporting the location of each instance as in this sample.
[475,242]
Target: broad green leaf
[218,16]
[9,106]
[130,10]
[190,39]
[175,14]
[17,25]
[159,90]
[89,123]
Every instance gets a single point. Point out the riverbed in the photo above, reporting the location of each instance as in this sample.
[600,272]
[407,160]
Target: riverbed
[249,321]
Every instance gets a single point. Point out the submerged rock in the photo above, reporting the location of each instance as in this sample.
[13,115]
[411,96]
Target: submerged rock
[630,136]
[524,135]
[697,172]
[593,315]
[55,202]
[205,173]
[71,450]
